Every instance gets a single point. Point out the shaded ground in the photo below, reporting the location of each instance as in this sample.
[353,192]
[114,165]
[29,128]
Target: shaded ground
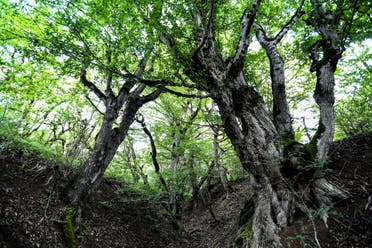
[204,232]
[31,206]
[350,222]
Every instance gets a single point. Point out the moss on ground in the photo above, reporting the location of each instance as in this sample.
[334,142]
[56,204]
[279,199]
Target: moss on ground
[69,228]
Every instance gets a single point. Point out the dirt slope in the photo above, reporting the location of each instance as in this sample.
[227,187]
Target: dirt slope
[349,224]
[204,232]
[30,209]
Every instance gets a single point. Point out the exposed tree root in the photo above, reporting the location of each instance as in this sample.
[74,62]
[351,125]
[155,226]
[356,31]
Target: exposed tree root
[274,210]
[326,194]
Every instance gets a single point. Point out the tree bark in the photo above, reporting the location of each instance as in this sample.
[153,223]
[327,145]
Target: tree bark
[154,154]
[333,26]
[324,97]
[217,162]
[247,124]
[125,104]
[255,139]
[106,145]
[281,113]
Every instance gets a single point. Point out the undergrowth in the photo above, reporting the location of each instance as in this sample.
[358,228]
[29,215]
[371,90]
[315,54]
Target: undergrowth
[13,144]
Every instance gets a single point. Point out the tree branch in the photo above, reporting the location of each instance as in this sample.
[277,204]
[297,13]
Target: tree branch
[153,151]
[133,78]
[152,96]
[95,106]
[314,54]
[346,27]
[261,34]
[246,23]
[203,34]
[90,85]
[290,23]
[109,91]
[165,82]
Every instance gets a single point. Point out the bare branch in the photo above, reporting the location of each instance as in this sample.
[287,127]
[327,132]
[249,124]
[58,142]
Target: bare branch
[90,85]
[109,91]
[161,84]
[165,82]
[153,151]
[246,23]
[261,34]
[165,89]
[290,23]
[152,96]
[94,105]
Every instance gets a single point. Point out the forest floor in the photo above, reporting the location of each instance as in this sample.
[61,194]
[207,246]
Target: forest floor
[31,206]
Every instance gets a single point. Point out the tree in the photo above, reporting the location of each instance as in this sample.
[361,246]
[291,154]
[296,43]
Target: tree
[332,23]
[127,53]
[281,114]
[255,137]
[91,46]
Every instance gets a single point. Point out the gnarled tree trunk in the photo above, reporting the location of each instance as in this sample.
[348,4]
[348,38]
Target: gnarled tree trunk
[125,105]
[324,97]
[256,138]
[107,143]
[281,113]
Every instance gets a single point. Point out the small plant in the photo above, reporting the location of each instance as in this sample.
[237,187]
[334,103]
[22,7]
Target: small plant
[299,238]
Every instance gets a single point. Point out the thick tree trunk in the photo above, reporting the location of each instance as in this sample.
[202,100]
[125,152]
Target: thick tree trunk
[324,97]
[324,191]
[281,114]
[125,104]
[107,143]
[255,139]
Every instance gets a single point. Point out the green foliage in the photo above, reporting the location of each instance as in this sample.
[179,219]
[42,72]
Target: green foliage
[12,142]
[300,238]
[43,107]
[354,104]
